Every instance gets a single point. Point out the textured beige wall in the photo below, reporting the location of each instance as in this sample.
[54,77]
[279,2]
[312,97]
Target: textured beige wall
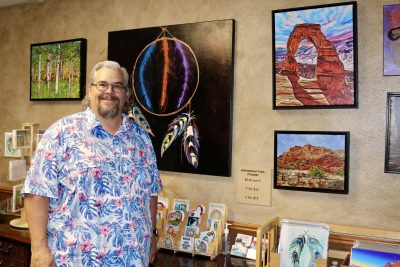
[374,196]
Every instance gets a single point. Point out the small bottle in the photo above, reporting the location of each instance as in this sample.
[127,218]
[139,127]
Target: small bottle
[225,240]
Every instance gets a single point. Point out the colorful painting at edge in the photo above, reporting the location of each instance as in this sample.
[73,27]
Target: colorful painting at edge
[371,258]
[307,75]
[392,150]
[391,44]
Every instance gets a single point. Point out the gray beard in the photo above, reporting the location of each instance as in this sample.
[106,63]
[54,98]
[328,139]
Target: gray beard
[107,114]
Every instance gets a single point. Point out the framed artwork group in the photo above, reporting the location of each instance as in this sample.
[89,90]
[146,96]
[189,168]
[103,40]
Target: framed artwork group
[183,88]
[391,67]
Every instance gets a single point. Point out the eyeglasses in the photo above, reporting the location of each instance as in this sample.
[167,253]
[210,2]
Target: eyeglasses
[103,86]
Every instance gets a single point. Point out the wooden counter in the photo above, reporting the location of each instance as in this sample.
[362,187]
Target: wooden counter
[15,246]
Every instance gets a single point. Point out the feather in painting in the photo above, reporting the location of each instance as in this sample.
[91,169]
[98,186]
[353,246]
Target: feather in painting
[302,243]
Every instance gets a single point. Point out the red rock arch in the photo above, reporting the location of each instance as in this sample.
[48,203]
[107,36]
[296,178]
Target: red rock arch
[330,70]
[328,61]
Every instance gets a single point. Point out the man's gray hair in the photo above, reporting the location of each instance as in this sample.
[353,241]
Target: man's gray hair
[109,65]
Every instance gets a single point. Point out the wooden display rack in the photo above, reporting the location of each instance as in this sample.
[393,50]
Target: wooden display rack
[214,248]
[341,239]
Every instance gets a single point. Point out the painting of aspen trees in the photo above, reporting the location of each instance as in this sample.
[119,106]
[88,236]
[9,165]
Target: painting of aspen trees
[58,70]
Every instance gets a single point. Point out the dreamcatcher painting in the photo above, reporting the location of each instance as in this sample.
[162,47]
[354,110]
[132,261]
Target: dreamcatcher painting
[182,82]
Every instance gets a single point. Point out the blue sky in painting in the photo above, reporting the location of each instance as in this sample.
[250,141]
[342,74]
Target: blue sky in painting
[336,22]
[286,141]
[370,258]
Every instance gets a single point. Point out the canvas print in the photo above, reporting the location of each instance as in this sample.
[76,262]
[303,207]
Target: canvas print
[312,161]
[371,258]
[302,243]
[392,151]
[391,44]
[58,70]
[21,138]
[182,81]
[9,149]
[315,57]
[17,199]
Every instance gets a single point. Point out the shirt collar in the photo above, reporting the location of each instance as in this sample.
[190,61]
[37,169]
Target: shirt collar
[93,122]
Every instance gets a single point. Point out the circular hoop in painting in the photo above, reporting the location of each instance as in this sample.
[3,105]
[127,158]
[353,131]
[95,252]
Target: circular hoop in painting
[165,76]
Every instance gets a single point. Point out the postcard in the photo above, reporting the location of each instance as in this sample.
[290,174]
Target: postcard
[216,210]
[244,239]
[191,231]
[239,250]
[186,244]
[21,138]
[181,204]
[9,149]
[16,169]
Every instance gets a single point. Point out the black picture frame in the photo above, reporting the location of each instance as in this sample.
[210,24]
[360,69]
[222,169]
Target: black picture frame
[58,70]
[314,51]
[392,148]
[316,161]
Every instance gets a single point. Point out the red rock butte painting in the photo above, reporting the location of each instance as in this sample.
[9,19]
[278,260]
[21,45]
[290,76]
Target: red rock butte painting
[312,166]
[313,63]
[312,161]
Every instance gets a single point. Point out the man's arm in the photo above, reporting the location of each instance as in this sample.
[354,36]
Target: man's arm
[153,211]
[37,214]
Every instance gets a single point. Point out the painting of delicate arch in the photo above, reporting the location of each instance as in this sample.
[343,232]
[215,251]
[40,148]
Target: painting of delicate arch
[315,57]
[58,70]
[182,82]
[312,161]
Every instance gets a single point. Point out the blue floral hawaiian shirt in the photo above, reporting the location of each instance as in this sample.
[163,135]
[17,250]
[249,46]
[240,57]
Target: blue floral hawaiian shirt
[99,186]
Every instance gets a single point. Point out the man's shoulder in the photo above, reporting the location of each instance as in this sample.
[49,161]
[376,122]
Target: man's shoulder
[68,120]
[132,125]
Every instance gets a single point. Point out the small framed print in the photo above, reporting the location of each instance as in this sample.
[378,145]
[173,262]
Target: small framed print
[312,161]
[392,150]
[9,149]
[21,138]
[17,199]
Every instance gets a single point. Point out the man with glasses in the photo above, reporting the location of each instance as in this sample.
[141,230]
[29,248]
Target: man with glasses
[91,192]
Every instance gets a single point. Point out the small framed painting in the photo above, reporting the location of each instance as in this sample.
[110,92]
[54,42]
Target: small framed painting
[392,150]
[9,149]
[315,57]
[17,199]
[312,161]
[21,138]
[58,70]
